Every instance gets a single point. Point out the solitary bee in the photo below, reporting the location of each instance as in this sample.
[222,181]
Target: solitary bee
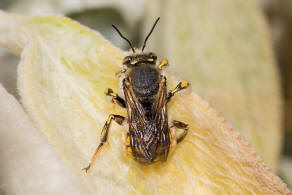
[146,98]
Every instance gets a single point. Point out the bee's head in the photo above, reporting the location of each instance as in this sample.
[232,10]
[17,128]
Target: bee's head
[139,58]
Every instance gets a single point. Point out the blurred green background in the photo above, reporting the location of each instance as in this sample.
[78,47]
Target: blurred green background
[211,33]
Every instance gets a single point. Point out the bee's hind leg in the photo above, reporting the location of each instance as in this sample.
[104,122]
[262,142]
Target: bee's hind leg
[116,98]
[180,125]
[104,135]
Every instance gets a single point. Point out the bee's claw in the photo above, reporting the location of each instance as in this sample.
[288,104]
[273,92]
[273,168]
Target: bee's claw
[86,169]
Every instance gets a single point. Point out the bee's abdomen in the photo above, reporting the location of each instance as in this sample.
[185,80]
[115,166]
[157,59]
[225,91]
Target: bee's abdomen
[149,147]
[145,80]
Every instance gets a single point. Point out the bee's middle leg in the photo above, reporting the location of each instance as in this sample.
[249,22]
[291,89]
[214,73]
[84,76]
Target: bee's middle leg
[182,85]
[180,125]
[116,98]
[104,135]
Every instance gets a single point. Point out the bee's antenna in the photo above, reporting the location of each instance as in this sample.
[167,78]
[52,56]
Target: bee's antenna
[150,33]
[124,38]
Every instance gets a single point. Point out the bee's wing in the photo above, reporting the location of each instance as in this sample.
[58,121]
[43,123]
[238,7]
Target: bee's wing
[136,112]
[161,117]
[159,106]
[136,121]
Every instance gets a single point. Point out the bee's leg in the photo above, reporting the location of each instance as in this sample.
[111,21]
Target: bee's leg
[180,86]
[180,125]
[104,134]
[163,63]
[116,98]
[120,72]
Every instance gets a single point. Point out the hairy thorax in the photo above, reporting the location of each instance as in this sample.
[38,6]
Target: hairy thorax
[145,80]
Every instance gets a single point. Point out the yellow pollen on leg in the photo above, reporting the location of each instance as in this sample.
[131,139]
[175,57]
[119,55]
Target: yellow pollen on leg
[163,63]
[129,149]
[110,92]
[184,84]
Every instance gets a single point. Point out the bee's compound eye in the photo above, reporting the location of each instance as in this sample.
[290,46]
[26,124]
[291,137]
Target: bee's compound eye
[152,56]
[127,60]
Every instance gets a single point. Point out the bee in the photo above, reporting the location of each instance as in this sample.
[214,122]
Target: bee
[145,98]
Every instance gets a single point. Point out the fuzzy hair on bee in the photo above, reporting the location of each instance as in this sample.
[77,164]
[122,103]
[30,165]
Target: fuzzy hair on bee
[145,99]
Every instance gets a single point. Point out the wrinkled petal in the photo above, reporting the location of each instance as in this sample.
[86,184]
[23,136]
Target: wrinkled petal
[29,164]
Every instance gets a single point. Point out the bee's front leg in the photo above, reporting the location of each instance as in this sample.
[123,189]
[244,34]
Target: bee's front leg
[163,63]
[120,72]
[182,85]
[180,125]
[116,98]
[104,134]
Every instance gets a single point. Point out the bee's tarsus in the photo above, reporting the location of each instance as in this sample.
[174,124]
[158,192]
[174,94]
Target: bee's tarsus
[182,85]
[163,63]
[104,135]
[116,98]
